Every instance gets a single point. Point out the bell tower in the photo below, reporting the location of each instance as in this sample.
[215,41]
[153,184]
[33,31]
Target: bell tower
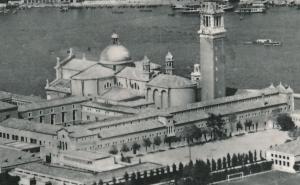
[169,63]
[212,59]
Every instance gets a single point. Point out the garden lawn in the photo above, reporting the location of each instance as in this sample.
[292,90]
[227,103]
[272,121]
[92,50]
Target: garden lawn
[269,178]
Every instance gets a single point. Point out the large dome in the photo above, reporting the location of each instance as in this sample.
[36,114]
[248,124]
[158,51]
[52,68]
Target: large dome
[115,54]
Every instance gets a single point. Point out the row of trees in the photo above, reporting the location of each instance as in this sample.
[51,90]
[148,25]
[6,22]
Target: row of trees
[234,160]
[215,129]
[135,146]
[199,172]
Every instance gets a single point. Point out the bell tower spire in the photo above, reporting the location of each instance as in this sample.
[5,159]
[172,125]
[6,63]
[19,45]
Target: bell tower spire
[212,59]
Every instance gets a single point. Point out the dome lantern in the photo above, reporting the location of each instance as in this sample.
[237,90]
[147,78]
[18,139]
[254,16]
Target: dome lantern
[115,39]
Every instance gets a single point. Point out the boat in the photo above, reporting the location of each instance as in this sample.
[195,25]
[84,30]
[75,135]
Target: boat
[227,7]
[190,11]
[178,7]
[171,14]
[249,8]
[265,42]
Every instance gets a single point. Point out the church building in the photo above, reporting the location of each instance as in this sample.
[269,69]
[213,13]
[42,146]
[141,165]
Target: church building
[116,77]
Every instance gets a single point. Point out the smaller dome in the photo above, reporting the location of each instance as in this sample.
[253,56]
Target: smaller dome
[115,54]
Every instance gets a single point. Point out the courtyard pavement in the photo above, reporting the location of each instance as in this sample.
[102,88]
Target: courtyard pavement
[239,144]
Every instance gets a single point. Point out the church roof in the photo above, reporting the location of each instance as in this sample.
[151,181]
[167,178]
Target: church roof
[60,85]
[292,147]
[5,106]
[119,94]
[171,81]
[133,73]
[115,54]
[110,107]
[51,103]
[77,64]
[126,130]
[96,71]
[27,125]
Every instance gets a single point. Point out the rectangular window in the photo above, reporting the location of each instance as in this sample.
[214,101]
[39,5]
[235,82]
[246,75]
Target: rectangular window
[52,119]
[288,164]
[276,162]
[279,162]
[74,115]
[63,114]
[41,119]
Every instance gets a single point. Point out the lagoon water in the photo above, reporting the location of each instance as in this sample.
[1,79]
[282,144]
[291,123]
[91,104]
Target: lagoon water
[31,40]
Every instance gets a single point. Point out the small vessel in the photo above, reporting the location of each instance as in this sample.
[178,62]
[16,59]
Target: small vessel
[227,7]
[178,7]
[250,8]
[190,11]
[171,14]
[265,42]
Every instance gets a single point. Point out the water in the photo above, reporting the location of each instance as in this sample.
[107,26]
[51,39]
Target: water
[32,39]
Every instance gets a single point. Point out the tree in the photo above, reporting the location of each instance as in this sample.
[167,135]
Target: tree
[213,165]
[126,176]
[261,155]
[246,158]
[228,160]
[251,158]
[174,167]
[180,167]
[239,126]
[114,180]
[248,124]
[100,182]
[208,164]
[147,143]
[113,150]
[133,177]
[224,163]
[200,173]
[135,147]
[285,122]
[124,148]
[145,174]
[217,124]
[234,160]
[255,155]
[219,164]
[156,141]
[170,140]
